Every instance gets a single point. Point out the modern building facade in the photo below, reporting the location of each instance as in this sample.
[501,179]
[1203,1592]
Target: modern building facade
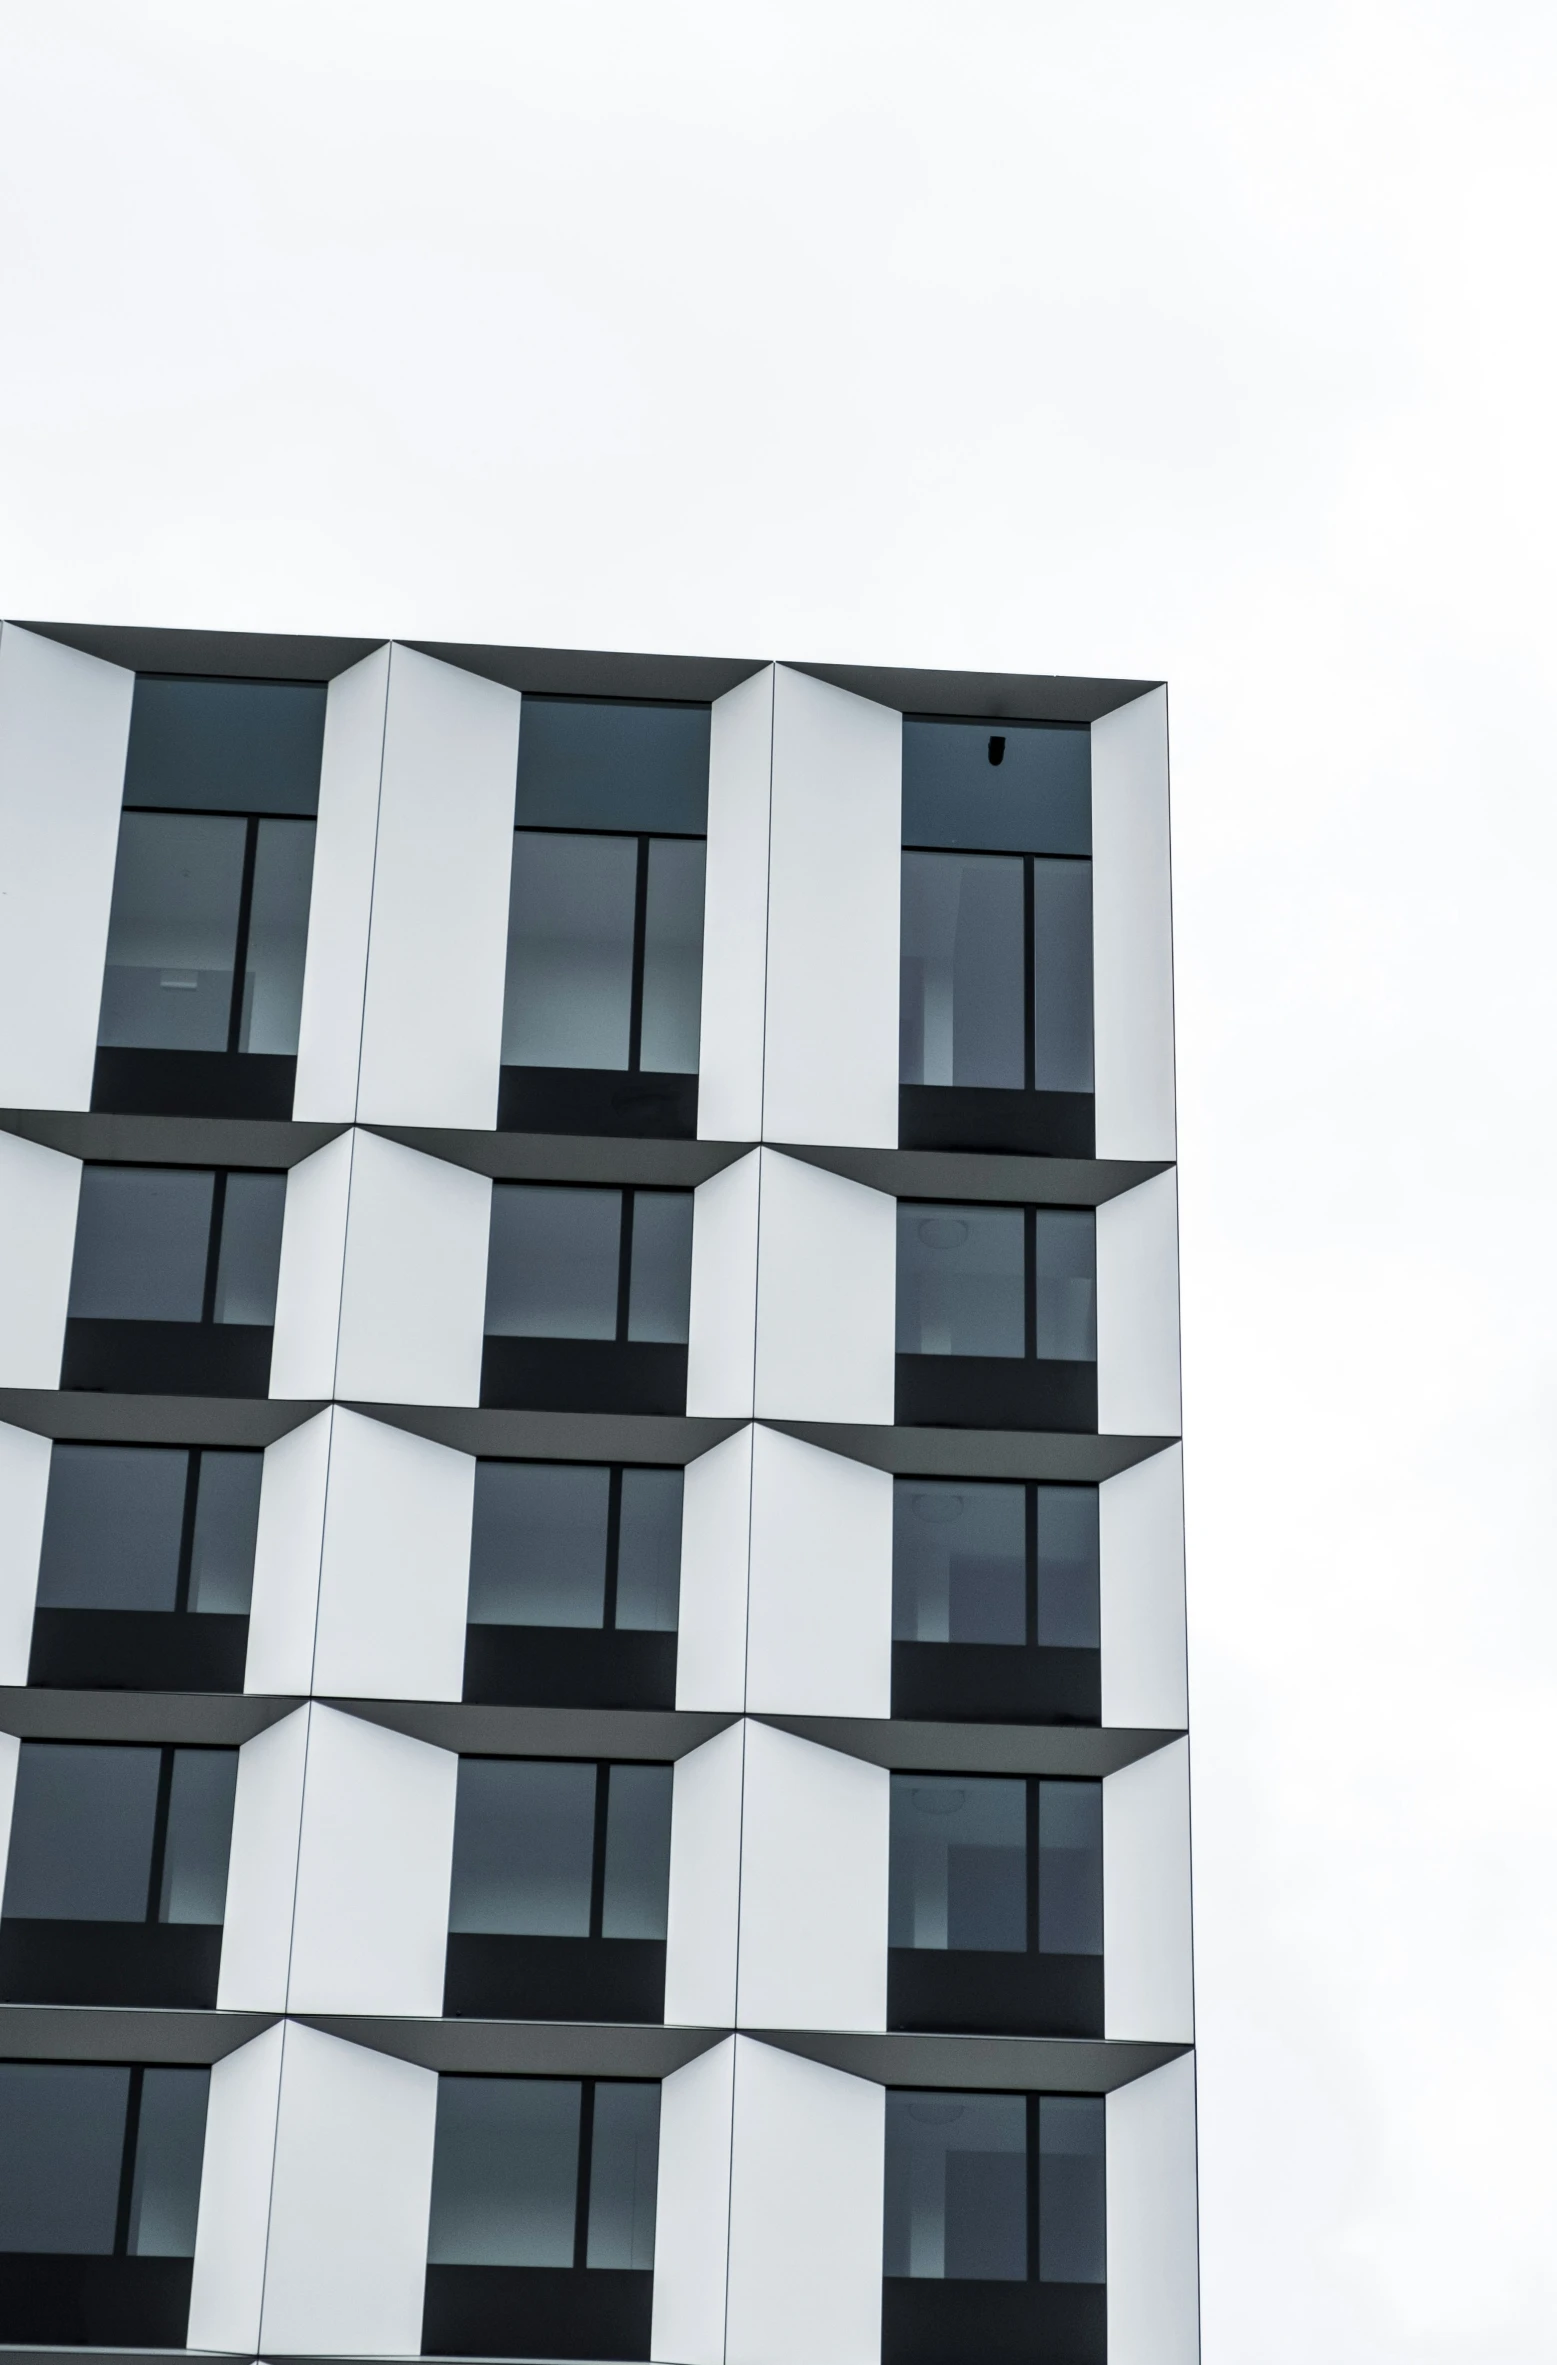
[593,1729]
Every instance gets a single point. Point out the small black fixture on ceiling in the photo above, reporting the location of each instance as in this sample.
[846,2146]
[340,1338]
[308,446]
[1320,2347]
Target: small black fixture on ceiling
[997,748]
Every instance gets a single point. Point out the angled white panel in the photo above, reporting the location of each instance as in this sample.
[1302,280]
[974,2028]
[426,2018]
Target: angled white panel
[10,1757]
[1141,1554]
[347,2263]
[813,1887]
[416,1275]
[377,1849]
[432,1032]
[1132,931]
[262,1868]
[821,1582]
[692,2218]
[334,975]
[396,1572]
[834,900]
[64,732]
[1138,1311]
[735,925]
[705,1882]
[235,2174]
[308,1283]
[1148,1959]
[284,1606]
[39,1189]
[806,2202]
[1153,2257]
[721,1331]
[826,1296]
[24,1490]
[715,1539]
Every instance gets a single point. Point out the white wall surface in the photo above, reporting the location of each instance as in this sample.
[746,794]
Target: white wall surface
[721,1330]
[820,1633]
[692,2226]
[262,1868]
[10,1757]
[340,908]
[414,1295]
[806,2183]
[39,1189]
[702,1928]
[438,951]
[395,1576]
[1138,1311]
[308,1282]
[1153,2262]
[1148,1957]
[1132,931]
[813,1891]
[834,905]
[64,732]
[715,1542]
[826,1296]
[235,2177]
[1141,1559]
[735,927]
[284,1606]
[24,1489]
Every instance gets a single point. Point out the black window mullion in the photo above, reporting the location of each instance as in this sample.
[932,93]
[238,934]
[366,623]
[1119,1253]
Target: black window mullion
[597,1867]
[613,1546]
[1030,1280]
[132,2129]
[186,1538]
[1034,2171]
[624,1265]
[640,924]
[159,1836]
[213,1254]
[1032,1562]
[586,2150]
[1030,977]
[240,957]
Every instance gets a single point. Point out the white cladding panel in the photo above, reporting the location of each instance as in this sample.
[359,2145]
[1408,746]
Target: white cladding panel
[1138,1311]
[1141,1555]
[433,1025]
[692,2230]
[702,1930]
[284,1605]
[735,928]
[1132,930]
[348,2227]
[806,2184]
[235,2177]
[834,916]
[821,1582]
[10,1758]
[308,1283]
[64,733]
[715,1542]
[24,1491]
[721,1332]
[1148,1942]
[1153,2231]
[826,1296]
[262,1868]
[395,1577]
[340,907]
[414,1297]
[39,1189]
[813,1889]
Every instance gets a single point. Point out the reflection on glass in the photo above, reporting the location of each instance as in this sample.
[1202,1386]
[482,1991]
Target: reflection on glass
[1062,976]
[1066,1289]
[673,956]
[553,1266]
[173,931]
[221,1569]
[113,1527]
[637,1855]
[538,1544]
[568,1001]
[956,2187]
[142,1238]
[199,1836]
[961,1010]
[249,1259]
[505,2172]
[1072,2189]
[278,937]
[61,2155]
[1069,1613]
[623,2172]
[959,1562]
[1070,1868]
[524,1842]
[958,1876]
[648,1569]
[169,2153]
[959,1280]
[660,1283]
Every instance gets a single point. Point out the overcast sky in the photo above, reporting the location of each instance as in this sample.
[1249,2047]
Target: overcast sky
[1202,341]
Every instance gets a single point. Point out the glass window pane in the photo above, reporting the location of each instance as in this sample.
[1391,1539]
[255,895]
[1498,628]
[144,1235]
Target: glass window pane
[589,763]
[221,1571]
[623,2171]
[959,1280]
[673,956]
[1067,1284]
[112,1527]
[194,1864]
[538,1544]
[1070,1867]
[660,1285]
[1068,1590]
[278,937]
[505,2172]
[959,1562]
[958,1864]
[961,1010]
[1062,976]
[81,1833]
[648,1559]
[568,1000]
[552,1269]
[169,2146]
[61,2155]
[637,1857]
[1072,2189]
[233,747]
[142,1233]
[524,1847]
[173,932]
[956,2187]
[249,1259]
[1018,788]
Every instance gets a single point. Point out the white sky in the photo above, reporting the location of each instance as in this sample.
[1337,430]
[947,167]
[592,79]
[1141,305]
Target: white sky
[1206,341]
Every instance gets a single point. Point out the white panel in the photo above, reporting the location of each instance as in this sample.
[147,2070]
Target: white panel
[24,1489]
[38,1193]
[348,2229]
[826,1296]
[285,1603]
[64,732]
[396,1570]
[1141,1551]
[1148,1958]
[340,907]
[308,1284]
[807,2174]
[813,1887]
[834,902]
[416,1276]
[10,1757]
[715,1539]
[735,925]
[721,1337]
[433,1031]
[373,1870]
[692,2227]
[705,1882]
[1132,929]
[1138,1311]
[1153,2261]
[262,1868]
[234,2223]
[821,1582]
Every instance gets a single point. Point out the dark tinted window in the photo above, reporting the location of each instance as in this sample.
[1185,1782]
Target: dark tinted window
[544,2172]
[959,2187]
[543,1539]
[966,1876]
[547,1849]
[1015,788]
[980,1561]
[610,764]
[226,747]
[144,1242]
[118,1532]
[97,2158]
[1009,1281]
[104,1833]
[581,1263]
